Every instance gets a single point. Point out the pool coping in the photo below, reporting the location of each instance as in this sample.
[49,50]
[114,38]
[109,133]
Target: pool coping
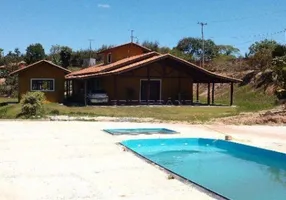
[176,176]
[171,133]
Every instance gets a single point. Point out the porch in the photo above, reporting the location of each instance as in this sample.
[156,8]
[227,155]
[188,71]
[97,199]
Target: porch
[162,80]
[77,92]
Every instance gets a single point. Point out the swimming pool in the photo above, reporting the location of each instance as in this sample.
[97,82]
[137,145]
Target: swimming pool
[232,170]
[137,131]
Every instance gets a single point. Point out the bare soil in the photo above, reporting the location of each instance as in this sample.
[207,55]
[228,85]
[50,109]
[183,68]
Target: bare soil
[276,116]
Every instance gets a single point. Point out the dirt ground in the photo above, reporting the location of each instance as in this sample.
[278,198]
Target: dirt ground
[276,116]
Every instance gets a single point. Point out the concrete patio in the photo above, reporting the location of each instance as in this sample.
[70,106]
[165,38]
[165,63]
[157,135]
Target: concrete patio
[76,160]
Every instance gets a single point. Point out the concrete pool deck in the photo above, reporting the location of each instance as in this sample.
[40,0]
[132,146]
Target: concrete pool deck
[76,160]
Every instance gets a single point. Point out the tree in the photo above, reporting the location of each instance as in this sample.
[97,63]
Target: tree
[55,57]
[1,52]
[227,50]
[279,51]
[182,55]
[194,47]
[265,44]
[154,46]
[262,59]
[1,56]
[279,66]
[65,55]
[34,53]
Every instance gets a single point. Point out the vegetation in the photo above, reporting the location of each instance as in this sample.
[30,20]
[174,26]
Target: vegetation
[246,99]
[32,104]
[34,53]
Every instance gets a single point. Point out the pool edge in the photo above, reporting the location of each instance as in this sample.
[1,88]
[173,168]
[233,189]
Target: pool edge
[177,176]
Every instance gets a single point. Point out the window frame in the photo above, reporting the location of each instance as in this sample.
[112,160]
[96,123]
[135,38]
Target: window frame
[42,79]
[109,58]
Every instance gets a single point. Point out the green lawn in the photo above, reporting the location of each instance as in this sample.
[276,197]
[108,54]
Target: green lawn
[8,100]
[245,98]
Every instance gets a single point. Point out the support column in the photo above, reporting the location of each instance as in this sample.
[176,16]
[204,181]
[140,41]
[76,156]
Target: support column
[115,88]
[68,88]
[209,93]
[213,93]
[198,88]
[179,88]
[148,87]
[72,87]
[231,94]
[85,92]
[192,93]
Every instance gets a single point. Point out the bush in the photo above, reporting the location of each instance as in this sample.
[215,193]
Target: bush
[32,104]
[55,112]
[281,94]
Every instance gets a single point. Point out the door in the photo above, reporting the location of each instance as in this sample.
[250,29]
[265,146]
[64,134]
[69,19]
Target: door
[155,89]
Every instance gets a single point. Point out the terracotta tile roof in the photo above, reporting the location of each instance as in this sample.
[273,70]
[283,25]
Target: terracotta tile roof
[105,68]
[138,45]
[156,58]
[36,63]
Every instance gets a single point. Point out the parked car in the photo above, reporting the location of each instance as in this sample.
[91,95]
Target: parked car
[97,97]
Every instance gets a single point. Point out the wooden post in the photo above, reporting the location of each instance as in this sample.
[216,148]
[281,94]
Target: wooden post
[209,93]
[179,88]
[192,93]
[85,92]
[148,87]
[115,88]
[231,94]
[198,88]
[72,87]
[213,93]
[68,88]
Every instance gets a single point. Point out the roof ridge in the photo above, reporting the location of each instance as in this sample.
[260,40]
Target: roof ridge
[35,63]
[124,45]
[115,65]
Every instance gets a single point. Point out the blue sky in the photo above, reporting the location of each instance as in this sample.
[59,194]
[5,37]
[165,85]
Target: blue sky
[73,22]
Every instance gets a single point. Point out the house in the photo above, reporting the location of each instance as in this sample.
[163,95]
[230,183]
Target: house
[42,76]
[133,74]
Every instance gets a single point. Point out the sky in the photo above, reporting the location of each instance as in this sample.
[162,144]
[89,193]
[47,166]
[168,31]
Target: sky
[73,22]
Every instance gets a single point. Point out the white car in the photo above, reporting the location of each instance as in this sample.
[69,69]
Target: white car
[97,97]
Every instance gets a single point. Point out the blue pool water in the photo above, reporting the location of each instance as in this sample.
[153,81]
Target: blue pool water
[235,171]
[136,131]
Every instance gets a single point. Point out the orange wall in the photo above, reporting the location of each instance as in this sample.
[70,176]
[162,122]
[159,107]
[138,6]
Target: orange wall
[43,70]
[123,52]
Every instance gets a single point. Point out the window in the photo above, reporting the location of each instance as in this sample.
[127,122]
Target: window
[109,58]
[42,84]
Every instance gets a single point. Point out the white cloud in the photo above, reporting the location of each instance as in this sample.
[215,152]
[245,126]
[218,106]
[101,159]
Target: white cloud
[103,5]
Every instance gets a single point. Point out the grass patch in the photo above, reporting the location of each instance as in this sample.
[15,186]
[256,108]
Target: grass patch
[160,112]
[8,100]
[246,99]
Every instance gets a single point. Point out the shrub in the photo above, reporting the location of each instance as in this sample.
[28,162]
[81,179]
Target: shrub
[281,94]
[55,112]
[32,104]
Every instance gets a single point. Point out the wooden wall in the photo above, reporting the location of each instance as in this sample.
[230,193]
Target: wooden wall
[123,52]
[43,70]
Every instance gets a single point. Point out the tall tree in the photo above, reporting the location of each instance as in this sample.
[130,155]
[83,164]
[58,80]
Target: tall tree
[54,56]
[154,46]
[227,50]
[194,47]
[34,53]
[264,44]
[279,51]
[65,55]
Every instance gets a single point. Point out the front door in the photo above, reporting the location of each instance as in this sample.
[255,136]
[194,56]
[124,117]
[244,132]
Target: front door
[155,89]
